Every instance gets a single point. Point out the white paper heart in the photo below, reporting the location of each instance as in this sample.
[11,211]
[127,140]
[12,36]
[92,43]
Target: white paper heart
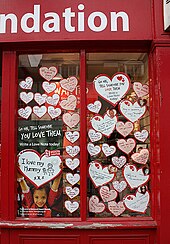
[134,177]
[72,136]
[48,73]
[119,186]
[140,90]
[72,150]
[94,136]
[141,157]
[141,135]
[112,90]
[69,84]
[108,150]
[94,107]
[72,178]
[26,97]
[54,112]
[131,111]
[138,202]
[116,208]
[119,161]
[39,169]
[26,84]
[105,125]
[48,87]
[40,99]
[25,112]
[72,192]
[92,149]
[99,175]
[53,100]
[70,103]
[95,206]
[71,206]
[71,119]
[39,111]
[107,194]
[126,146]
[72,163]
[124,128]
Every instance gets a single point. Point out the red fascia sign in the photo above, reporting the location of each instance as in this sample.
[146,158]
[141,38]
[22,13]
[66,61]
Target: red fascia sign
[72,20]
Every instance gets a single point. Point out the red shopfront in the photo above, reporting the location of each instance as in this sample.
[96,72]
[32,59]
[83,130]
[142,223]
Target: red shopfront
[84,122]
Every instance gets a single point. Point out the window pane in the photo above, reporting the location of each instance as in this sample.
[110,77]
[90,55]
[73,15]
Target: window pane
[118,126]
[48,135]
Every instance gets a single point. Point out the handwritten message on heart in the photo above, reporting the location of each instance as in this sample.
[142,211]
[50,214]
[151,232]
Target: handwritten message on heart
[94,107]
[70,103]
[141,157]
[119,161]
[116,208]
[95,206]
[53,100]
[26,84]
[92,149]
[72,136]
[124,128]
[131,111]
[107,194]
[48,87]
[54,112]
[126,146]
[72,178]
[108,150]
[25,112]
[94,136]
[140,90]
[141,135]
[69,84]
[112,90]
[40,99]
[72,192]
[72,150]
[72,163]
[48,73]
[119,186]
[71,206]
[26,97]
[39,169]
[71,119]
[39,111]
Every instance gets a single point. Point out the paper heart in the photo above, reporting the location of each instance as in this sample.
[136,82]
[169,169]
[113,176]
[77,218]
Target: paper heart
[48,87]
[107,194]
[39,169]
[141,135]
[40,99]
[72,163]
[116,208]
[72,150]
[70,103]
[94,107]
[71,119]
[72,178]
[71,206]
[72,136]
[105,125]
[25,112]
[138,202]
[69,84]
[141,157]
[92,149]
[134,177]
[112,90]
[39,111]
[26,97]
[126,146]
[72,192]
[119,162]
[140,90]
[124,128]
[48,73]
[95,206]
[108,150]
[99,175]
[54,112]
[53,100]
[119,186]
[26,84]
[131,111]
[94,136]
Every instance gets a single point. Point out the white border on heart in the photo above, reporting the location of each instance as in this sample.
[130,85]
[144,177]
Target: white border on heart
[72,192]
[116,208]
[141,135]
[48,73]
[72,150]
[72,136]
[25,112]
[26,84]
[107,194]
[124,128]
[70,103]
[119,161]
[119,185]
[141,157]
[26,97]
[126,146]
[72,163]
[71,206]
[49,87]
[140,89]
[39,111]
[94,107]
[71,119]
[108,150]
[54,112]
[72,178]
[40,99]
[94,136]
[92,149]
[95,206]
[69,84]
[53,100]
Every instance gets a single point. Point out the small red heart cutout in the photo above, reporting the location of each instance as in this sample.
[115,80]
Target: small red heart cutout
[119,78]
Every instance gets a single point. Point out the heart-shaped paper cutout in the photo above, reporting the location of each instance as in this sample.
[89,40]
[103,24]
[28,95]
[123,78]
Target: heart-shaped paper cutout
[141,135]
[71,206]
[124,128]
[100,175]
[126,146]
[140,90]
[92,149]
[72,192]
[141,157]
[72,150]
[48,87]
[112,90]
[94,107]
[25,112]
[138,202]
[131,111]
[70,103]
[72,163]
[105,125]
[48,73]
[69,84]
[95,206]
[119,161]
[54,112]
[107,194]
[26,97]
[94,136]
[39,111]
[39,169]
[108,150]
[119,186]
[26,84]
[72,136]
[71,119]
[53,100]
[40,99]
[72,178]
[116,208]
[134,177]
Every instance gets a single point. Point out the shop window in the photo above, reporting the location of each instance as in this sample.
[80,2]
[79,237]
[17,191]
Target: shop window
[49,135]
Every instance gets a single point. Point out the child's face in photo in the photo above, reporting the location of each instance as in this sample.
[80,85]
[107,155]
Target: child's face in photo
[40,197]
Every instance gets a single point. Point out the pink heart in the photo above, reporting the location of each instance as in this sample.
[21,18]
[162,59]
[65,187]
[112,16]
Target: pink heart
[141,157]
[124,128]
[126,146]
[95,206]
[48,73]
[71,119]
[140,90]
[116,208]
[107,194]
[69,103]
[69,84]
